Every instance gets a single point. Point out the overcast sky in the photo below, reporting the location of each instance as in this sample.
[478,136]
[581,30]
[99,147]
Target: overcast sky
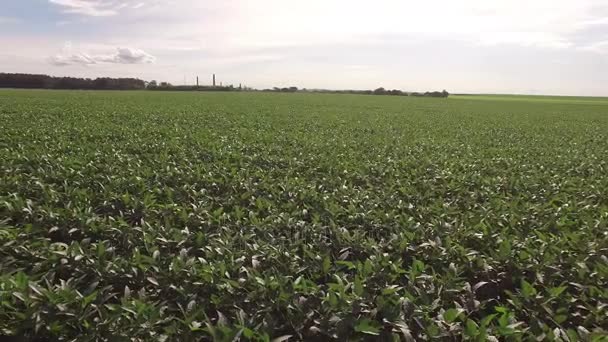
[488,46]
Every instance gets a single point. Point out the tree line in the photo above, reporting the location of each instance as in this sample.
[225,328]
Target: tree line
[382,91]
[378,91]
[31,81]
[153,85]
[282,90]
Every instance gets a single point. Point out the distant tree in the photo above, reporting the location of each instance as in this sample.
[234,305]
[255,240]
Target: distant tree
[24,81]
[283,90]
[48,82]
[152,84]
[433,94]
[380,91]
[445,93]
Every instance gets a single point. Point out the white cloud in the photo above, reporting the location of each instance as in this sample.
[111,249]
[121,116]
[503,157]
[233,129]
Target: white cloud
[86,7]
[129,56]
[96,8]
[121,56]
[78,58]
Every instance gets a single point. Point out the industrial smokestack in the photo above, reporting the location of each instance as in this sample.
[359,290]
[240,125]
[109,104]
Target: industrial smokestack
[214,80]
[197,81]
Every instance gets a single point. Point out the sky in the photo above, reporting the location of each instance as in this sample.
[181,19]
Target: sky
[473,46]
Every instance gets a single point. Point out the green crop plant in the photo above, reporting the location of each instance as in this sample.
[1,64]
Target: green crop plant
[256,216]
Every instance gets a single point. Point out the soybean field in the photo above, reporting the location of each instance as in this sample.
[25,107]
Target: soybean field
[166,216]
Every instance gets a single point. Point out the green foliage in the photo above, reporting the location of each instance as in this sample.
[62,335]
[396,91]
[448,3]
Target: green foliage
[259,216]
